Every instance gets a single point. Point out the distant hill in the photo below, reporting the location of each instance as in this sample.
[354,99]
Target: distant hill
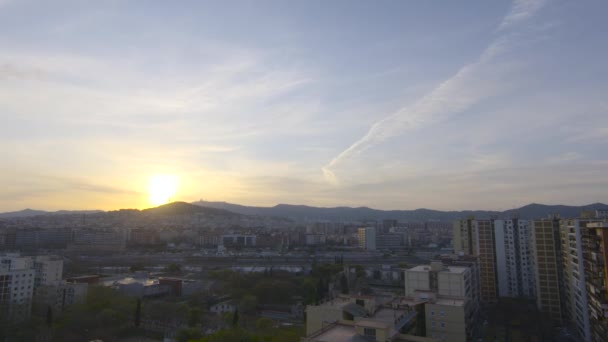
[308,213]
[183,208]
[32,212]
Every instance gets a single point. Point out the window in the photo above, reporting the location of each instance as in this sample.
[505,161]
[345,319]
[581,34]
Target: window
[369,332]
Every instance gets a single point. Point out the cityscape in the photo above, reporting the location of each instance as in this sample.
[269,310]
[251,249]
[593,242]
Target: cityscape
[182,271]
[303,171]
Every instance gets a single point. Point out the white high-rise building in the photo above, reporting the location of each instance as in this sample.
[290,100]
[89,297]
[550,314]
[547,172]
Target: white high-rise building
[514,258]
[367,238]
[49,270]
[16,286]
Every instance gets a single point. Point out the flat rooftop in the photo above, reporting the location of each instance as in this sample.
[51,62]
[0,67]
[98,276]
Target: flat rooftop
[451,302]
[387,314]
[340,333]
[450,269]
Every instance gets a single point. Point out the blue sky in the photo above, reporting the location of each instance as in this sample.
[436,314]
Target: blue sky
[390,104]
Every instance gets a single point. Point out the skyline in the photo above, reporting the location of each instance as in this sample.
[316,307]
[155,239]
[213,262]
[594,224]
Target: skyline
[402,105]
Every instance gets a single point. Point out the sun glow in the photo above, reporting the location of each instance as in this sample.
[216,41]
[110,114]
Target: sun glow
[162,188]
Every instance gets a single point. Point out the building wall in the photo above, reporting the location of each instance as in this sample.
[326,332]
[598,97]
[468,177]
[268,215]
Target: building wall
[595,239]
[514,260]
[367,238]
[321,316]
[453,284]
[574,282]
[416,281]
[546,251]
[16,287]
[483,246]
[446,322]
[463,237]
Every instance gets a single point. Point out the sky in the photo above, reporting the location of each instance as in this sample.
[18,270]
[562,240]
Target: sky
[389,104]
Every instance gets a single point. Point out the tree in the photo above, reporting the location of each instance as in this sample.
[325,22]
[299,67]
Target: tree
[188,334]
[235,318]
[264,324]
[49,317]
[194,317]
[138,313]
[173,268]
[248,304]
[343,284]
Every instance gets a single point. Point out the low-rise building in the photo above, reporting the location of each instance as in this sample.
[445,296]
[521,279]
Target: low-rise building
[449,291]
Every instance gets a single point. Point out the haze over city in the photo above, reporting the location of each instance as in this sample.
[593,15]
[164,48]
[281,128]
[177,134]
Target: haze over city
[392,105]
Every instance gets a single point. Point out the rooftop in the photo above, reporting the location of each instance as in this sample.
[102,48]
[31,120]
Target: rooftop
[450,269]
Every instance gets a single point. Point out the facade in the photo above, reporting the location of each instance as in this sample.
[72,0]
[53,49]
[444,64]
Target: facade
[576,304]
[390,241]
[463,237]
[16,287]
[514,260]
[98,240]
[547,255]
[483,246]
[367,238]
[595,242]
[59,296]
[49,270]
[452,304]
[238,240]
[141,236]
[361,318]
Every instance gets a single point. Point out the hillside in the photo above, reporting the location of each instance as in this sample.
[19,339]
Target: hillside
[308,213]
[183,208]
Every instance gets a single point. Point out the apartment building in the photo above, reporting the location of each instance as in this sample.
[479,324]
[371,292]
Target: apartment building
[363,318]
[547,254]
[514,260]
[16,287]
[451,304]
[595,244]
[49,270]
[367,238]
[463,236]
[576,307]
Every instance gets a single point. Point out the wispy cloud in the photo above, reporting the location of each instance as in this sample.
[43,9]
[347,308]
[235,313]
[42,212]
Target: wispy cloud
[520,11]
[466,88]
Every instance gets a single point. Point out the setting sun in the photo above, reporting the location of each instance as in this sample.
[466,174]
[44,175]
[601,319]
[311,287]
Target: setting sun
[162,188]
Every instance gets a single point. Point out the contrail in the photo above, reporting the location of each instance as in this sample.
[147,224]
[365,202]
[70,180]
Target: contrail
[451,96]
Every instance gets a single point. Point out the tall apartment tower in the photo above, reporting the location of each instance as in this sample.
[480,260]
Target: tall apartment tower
[595,242]
[367,238]
[463,236]
[573,257]
[514,262]
[547,254]
[484,247]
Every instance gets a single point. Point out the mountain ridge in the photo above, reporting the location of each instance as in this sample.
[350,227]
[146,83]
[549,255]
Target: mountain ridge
[304,212]
[341,213]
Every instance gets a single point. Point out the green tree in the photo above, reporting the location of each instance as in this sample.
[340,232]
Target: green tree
[264,324]
[138,313]
[188,334]
[194,317]
[248,304]
[173,268]
[235,318]
[49,317]
[343,284]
